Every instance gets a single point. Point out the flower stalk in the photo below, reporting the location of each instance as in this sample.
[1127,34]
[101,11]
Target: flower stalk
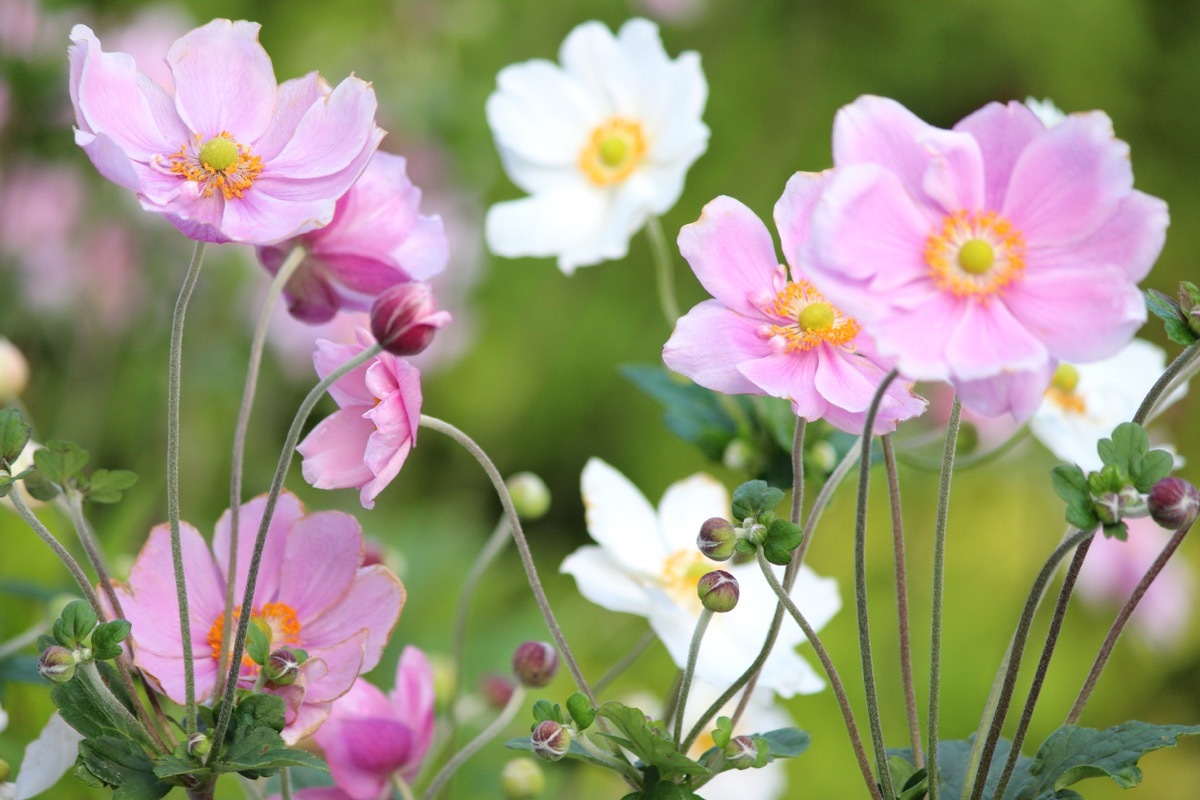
[689,671]
[475,745]
[906,676]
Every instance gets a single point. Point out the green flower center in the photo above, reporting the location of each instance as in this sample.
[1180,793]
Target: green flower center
[816,316]
[1066,378]
[976,256]
[613,151]
[218,153]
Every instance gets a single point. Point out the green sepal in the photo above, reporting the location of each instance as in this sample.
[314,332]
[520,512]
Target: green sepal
[60,461]
[107,638]
[258,645]
[1071,485]
[72,627]
[754,498]
[745,547]
[782,538]
[581,710]
[107,486]
[544,710]
[39,486]
[14,435]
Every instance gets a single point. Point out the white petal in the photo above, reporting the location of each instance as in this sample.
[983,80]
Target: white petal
[542,113]
[549,223]
[47,758]
[621,520]
[605,582]
[686,505]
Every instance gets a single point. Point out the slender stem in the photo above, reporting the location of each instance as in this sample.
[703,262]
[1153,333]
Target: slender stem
[285,784]
[665,270]
[835,681]
[286,270]
[906,676]
[285,461]
[475,745]
[514,522]
[113,706]
[174,379]
[1114,632]
[798,470]
[81,580]
[1182,377]
[631,774]
[1160,386]
[689,672]
[1017,649]
[1039,676]
[818,508]
[627,661]
[939,569]
[402,787]
[860,589]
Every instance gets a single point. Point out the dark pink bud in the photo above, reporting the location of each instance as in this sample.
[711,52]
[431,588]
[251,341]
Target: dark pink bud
[550,740]
[718,591]
[535,663]
[1174,503]
[405,318]
[497,689]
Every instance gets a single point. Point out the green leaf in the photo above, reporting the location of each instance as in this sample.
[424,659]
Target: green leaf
[693,413]
[258,645]
[169,766]
[107,638]
[1125,450]
[575,751]
[786,742]
[86,712]
[106,486]
[1169,311]
[39,487]
[122,765]
[723,732]
[1163,305]
[254,747]
[753,498]
[1189,293]
[14,434]
[1155,466]
[544,710]
[782,538]
[649,740]
[60,461]
[1072,486]
[74,624]
[581,710]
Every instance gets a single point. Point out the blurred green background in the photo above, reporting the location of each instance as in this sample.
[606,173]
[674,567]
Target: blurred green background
[535,377]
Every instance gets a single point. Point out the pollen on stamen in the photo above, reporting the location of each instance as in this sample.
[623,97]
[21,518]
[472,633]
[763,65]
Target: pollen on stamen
[807,320]
[278,620]
[219,164]
[613,151]
[975,254]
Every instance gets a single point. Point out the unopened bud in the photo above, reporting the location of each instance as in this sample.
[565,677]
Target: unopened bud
[535,664]
[522,779]
[718,591]
[717,539]
[404,318]
[496,689]
[282,667]
[551,740]
[445,676]
[57,664]
[14,371]
[530,495]
[824,456]
[741,752]
[1107,507]
[1174,503]
[198,744]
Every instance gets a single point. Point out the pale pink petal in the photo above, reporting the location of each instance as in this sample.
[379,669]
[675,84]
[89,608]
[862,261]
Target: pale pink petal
[990,340]
[333,451]
[321,557]
[794,210]
[1015,393]
[1131,239]
[790,376]
[1002,132]
[288,511]
[343,662]
[413,701]
[308,719]
[331,136]
[373,603]
[709,342]
[955,178]
[167,670]
[262,217]
[224,80]
[296,97]
[917,339]
[605,582]
[351,388]
[731,252]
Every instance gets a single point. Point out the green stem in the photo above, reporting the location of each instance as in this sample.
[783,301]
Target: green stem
[514,522]
[689,672]
[22,640]
[475,745]
[174,380]
[281,469]
[906,676]
[631,774]
[285,785]
[664,269]
[1160,386]
[402,787]
[81,580]
[294,259]
[818,508]
[939,569]
[627,661]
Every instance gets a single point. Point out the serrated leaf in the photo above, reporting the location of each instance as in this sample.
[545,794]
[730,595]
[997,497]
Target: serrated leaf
[169,766]
[74,624]
[14,434]
[60,461]
[1082,517]
[581,710]
[82,708]
[107,638]
[1155,466]
[1126,449]
[544,710]
[649,741]
[107,486]
[782,538]
[122,765]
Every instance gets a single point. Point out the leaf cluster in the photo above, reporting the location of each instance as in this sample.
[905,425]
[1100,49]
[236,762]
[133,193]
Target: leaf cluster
[1180,316]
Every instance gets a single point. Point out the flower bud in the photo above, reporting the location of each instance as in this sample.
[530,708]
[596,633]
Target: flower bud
[497,689]
[717,539]
[551,740]
[824,456]
[1174,503]
[282,667]
[404,318]
[57,664]
[1107,507]
[741,752]
[530,495]
[535,664]
[718,591]
[198,744]
[522,779]
[14,371]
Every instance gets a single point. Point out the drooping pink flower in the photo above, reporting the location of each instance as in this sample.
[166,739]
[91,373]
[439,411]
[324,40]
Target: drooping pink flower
[231,156]
[768,330]
[312,592]
[376,240]
[365,442]
[982,255]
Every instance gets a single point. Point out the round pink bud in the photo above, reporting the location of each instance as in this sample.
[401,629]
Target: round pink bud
[551,740]
[717,539]
[282,667]
[497,689]
[404,318]
[535,664]
[1174,503]
[718,591]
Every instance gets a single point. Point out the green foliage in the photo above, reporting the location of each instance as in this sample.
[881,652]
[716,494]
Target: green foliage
[658,789]
[39,486]
[107,638]
[782,538]
[258,644]
[73,626]
[723,732]
[106,486]
[253,746]
[754,498]
[1072,486]
[1173,316]
[14,435]
[581,711]
[1129,451]
[118,763]
[650,741]
[786,742]
[544,710]
[60,462]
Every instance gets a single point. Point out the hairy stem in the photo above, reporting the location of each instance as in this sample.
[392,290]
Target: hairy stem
[664,269]
[475,745]
[68,561]
[1164,381]
[906,676]
[689,672]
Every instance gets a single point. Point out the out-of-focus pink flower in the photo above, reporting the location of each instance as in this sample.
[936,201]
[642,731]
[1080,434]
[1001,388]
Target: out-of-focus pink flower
[20,21]
[148,36]
[39,213]
[376,240]
[312,593]
[983,254]
[365,442]
[232,156]
[769,331]
[677,11]
[1113,569]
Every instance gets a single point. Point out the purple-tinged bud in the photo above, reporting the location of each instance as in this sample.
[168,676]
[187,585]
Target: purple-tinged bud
[1174,503]
[741,752]
[717,539]
[551,740]
[530,495]
[1107,507]
[198,744]
[522,779]
[282,667]
[497,689]
[535,664]
[718,591]
[57,664]
[404,318]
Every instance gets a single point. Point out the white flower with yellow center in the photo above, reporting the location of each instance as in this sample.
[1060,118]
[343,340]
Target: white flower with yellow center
[601,142]
[646,563]
[1085,402]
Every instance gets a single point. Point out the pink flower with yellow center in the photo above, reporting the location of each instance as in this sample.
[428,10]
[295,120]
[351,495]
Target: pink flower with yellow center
[312,593]
[768,330]
[984,254]
[229,154]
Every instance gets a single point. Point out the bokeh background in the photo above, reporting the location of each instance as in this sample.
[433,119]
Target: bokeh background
[529,368]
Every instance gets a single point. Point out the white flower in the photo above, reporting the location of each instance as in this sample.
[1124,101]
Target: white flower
[648,564]
[762,715]
[1045,110]
[1084,403]
[46,759]
[600,143]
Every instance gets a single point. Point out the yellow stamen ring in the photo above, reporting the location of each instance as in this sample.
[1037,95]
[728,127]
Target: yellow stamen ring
[975,254]
[277,620]
[220,163]
[813,320]
[613,151]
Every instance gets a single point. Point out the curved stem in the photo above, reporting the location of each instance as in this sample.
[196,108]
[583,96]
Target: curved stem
[906,676]
[285,784]
[518,534]
[798,470]
[81,579]
[689,671]
[632,776]
[835,681]
[475,745]
[1160,386]
[22,640]
[1114,632]
[664,269]
[285,461]
[286,270]
[614,672]
[939,568]
[402,787]
[174,381]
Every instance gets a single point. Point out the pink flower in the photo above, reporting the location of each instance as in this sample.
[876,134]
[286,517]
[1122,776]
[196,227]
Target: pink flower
[231,156]
[312,592]
[983,254]
[769,331]
[375,241]
[364,443]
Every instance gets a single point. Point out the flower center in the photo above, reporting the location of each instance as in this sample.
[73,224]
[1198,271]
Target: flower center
[277,620]
[1062,392]
[613,151]
[975,254]
[219,164]
[807,319]
[681,572]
